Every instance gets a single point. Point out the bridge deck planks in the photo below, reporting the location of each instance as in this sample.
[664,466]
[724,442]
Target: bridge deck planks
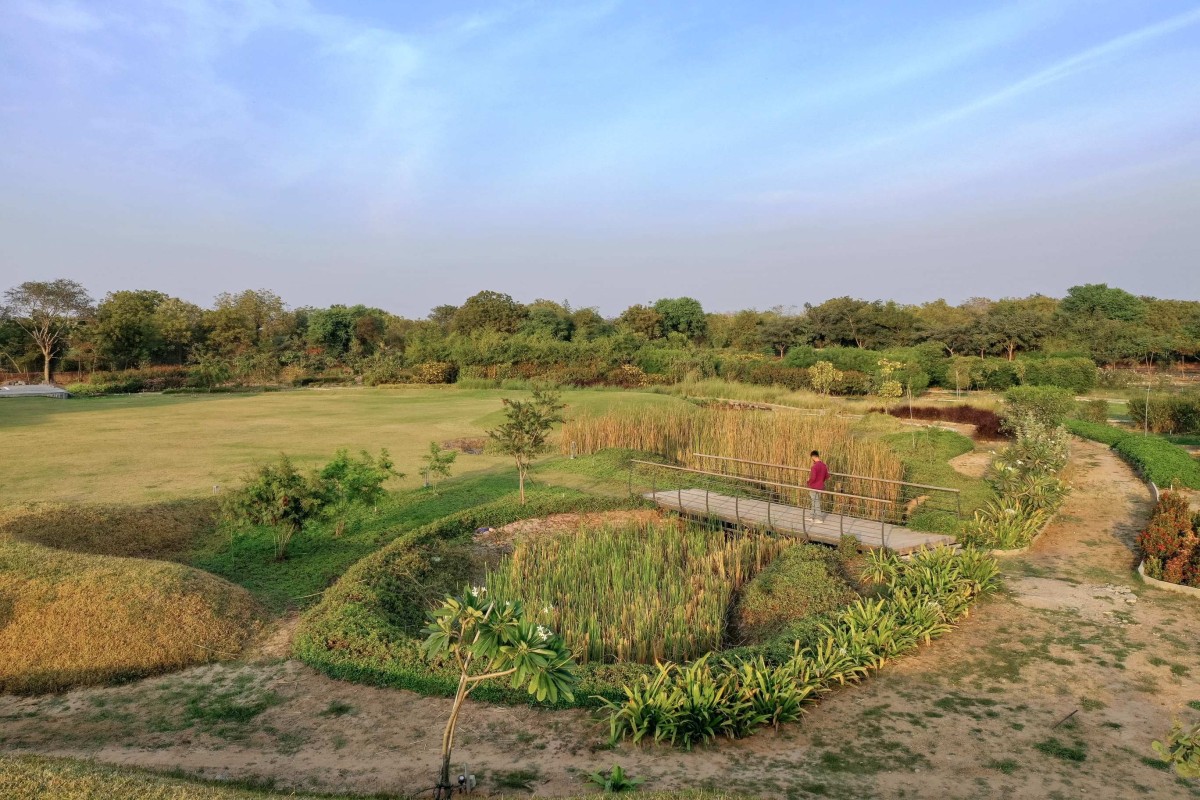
[796,520]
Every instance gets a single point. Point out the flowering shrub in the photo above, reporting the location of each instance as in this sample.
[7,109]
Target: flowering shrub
[1169,545]
[1028,489]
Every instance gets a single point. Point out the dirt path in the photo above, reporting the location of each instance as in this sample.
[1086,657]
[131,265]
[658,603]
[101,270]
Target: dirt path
[1052,689]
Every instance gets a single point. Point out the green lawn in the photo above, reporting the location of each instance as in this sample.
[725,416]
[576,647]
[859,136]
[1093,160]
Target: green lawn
[317,556]
[147,448]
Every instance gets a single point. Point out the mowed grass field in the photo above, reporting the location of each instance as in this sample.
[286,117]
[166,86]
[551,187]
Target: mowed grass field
[150,448]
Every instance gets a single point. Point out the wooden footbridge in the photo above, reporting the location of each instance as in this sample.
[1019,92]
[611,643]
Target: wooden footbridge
[750,502]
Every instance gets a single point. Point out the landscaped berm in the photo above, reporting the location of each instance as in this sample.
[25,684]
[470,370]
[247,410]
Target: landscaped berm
[385,616]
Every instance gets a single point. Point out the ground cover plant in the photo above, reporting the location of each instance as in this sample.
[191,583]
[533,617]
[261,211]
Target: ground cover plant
[640,593]
[689,704]
[1170,543]
[926,456]
[74,619]
[1153,456]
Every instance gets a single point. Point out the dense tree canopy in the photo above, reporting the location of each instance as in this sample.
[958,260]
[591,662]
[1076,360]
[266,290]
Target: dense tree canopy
[252,336]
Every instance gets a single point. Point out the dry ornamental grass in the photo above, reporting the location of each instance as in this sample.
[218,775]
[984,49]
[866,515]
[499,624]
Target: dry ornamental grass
[769,437]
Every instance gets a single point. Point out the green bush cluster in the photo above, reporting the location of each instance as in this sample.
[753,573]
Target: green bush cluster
[1152,456]
[1167,413]
[689,704]
[1025,482]
[1092,411]
[367,626]
[1079,374]
[1048,404]
[804,581]
[153,379]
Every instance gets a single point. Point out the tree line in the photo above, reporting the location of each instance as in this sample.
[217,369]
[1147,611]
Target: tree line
[254,337]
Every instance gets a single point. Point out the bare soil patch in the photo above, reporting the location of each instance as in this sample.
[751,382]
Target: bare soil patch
[504,537]
[973,464]
[1053,688]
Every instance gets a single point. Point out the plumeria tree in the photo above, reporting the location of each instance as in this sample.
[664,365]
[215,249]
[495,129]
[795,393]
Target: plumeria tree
[492,640]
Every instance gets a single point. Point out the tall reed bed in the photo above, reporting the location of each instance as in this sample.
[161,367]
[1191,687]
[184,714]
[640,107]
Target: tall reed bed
[779,437]
[633,593]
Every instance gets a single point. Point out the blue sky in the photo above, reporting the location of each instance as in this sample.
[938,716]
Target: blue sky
[750,155]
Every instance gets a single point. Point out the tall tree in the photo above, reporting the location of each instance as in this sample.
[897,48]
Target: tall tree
[248,321]
[125,330]
[683,315]
[488,310]
[1097,299]
[643,321]
[47,311]
[841,321]
[1018,324]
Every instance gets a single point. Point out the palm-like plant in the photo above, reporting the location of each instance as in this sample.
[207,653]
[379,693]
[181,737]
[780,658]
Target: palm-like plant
[489,640]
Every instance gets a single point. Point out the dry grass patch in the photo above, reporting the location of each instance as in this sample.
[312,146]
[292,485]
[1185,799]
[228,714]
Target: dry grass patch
[771,437]
[164,530]
[68,619]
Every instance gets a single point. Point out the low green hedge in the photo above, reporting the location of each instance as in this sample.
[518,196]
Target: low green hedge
[365,629]
[1153,456]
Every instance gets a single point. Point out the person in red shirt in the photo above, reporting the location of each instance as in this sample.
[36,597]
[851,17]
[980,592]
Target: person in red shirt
[816,481]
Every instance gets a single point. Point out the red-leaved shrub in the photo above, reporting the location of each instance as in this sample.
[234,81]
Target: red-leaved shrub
[987,423]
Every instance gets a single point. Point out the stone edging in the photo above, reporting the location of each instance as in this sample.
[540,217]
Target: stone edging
[1170,587]
[1155,582]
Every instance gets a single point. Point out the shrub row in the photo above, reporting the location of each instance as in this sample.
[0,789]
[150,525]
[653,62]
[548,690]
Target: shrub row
[1167,413]
[1169,545]
[919,600]
[1152,456]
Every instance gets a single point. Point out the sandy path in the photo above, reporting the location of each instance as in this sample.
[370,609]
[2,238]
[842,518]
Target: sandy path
[964,718]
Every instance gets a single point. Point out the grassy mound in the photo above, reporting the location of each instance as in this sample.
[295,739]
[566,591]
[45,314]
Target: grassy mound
[641,593]
[68,619]
[804,582]
[164,530]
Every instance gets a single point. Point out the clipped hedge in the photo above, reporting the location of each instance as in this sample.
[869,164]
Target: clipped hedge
[366,628]
[1152,456]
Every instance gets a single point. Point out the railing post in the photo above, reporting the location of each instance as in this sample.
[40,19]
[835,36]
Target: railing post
[769,525]
[841,524]
[654,484]
[737,514]
[679,498]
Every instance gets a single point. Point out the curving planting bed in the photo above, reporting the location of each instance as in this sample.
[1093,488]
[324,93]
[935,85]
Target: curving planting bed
[683,632]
